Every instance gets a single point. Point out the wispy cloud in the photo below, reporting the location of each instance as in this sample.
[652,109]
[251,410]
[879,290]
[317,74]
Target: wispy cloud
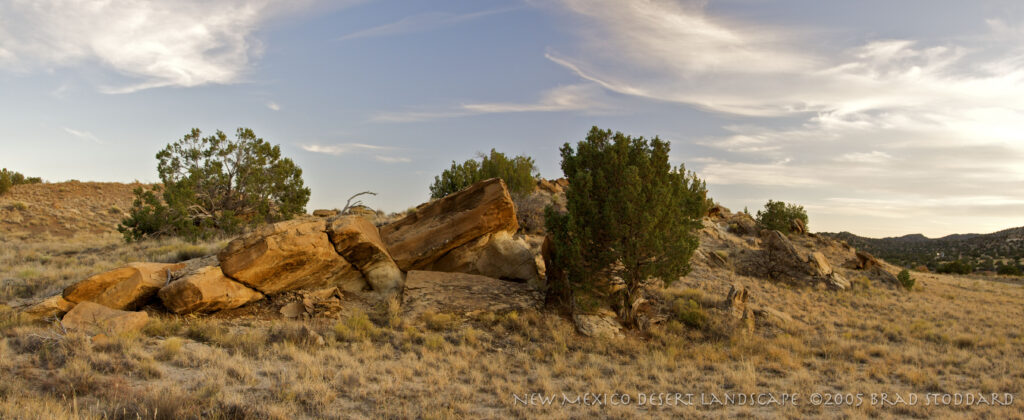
[885,119]
[420,23]
[579,97]
[151,43]
[357,148]
[84,135]
[273,106]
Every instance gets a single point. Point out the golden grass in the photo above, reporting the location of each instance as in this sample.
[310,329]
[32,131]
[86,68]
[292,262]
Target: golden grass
[949,335]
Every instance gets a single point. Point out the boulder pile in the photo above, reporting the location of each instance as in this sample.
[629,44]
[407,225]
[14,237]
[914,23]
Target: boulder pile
[458,253]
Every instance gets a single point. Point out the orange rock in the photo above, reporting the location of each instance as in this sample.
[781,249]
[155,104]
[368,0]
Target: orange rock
[422,237]
[94,318]
[53,306]
[206,290]
[127,287]
[359,242]
[288,255]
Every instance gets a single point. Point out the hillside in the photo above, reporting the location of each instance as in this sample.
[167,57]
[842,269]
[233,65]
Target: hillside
[983,251]
[64,209]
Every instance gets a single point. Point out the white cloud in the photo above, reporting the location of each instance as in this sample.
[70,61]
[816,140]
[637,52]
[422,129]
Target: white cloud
[420,23]
[356,148]
[85,135]
[151,43]
[579,97]
[273,106]
[888,118]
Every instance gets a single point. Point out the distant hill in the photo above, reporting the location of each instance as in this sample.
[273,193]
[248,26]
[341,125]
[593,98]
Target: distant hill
[983,251]
[48,211]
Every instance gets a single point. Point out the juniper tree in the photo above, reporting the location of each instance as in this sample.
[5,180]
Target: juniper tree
[214,185]
[631,217]
[519,174]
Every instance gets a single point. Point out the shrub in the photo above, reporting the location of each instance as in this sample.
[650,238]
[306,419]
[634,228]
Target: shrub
[905,280]
[779,216]
[689,312]
[1009,270]
[631,216]
[10,178]
[955,267]
[215,185]
[519,173]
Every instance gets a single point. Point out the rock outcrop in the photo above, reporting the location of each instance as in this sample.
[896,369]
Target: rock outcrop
[359,242]
[742,224]
[601,325]
[498,255]
[463,293]
[127,287]
[424,236]
[206,290]
[51,307]
[93,318]
[290,255]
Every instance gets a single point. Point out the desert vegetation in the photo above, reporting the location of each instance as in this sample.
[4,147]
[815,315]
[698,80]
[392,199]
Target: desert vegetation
[519,173]
[9,179]
[214,185]
[652,294]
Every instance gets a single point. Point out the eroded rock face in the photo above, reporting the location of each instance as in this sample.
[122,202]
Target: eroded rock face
[600,325]
[51,307]
[294,254]
[819,264]
[127,287]
[742,224]
[206,290]
[94,318]
[462,293]
[359,242]
[424,236]
[498,255]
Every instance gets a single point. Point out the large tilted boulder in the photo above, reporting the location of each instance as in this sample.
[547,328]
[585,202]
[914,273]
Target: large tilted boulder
[498,255]
[294,254]
[424,236]
[359,242]
[462,293]
[206,290]
[127,287]
[93,318]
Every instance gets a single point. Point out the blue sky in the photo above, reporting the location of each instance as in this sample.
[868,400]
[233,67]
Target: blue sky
[881,118]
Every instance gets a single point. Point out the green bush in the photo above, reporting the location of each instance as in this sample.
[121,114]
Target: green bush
[630,215]
[955,267]
[779,216]
[905,280]
[1009,270]
[519,174]
[689,312]
[213,185]
[10,178]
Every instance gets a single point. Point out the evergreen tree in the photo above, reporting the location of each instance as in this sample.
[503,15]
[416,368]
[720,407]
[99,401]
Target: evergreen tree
[631,217]
[214,185]
[519,174]
[779,216]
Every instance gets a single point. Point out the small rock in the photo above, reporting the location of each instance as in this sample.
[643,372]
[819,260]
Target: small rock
[94,318]
[598,325]
[293,310]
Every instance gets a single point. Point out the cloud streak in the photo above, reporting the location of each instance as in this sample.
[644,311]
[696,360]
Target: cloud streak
[420,23]
[886,119]
[357,148]
[585,97]
[84,135]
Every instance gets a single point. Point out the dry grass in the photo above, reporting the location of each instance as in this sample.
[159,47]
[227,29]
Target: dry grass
[949,335]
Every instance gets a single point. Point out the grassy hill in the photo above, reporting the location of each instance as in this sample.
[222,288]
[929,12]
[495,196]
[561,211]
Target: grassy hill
[46,211]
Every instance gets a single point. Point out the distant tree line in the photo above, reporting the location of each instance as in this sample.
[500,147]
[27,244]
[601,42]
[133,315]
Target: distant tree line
[10,178]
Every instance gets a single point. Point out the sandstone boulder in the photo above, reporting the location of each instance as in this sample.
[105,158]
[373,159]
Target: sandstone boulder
[462,293]
[498,255]
[51,307]
[424,236]
[835,280]
[736,301]
[206,290]
[549,186]
[742,224]
[819,265]
[127,287]
[325,213]
[781,244]
[359,242]
[719,212]
[288,255]
[601,325]
[93,318]
[865,261]
[797,226]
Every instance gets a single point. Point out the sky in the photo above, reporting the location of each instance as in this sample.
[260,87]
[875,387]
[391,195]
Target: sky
[881,118]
